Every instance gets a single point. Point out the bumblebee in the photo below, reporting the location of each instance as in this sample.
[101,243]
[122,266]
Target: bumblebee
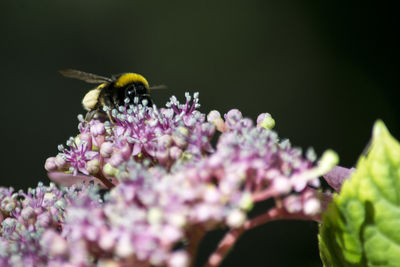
[111,92]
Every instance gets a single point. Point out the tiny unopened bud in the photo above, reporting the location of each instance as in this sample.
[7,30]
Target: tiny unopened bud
[44,219]
[49,199]
[28,214]
[116,159]
[312,206]
[57,246]
[177,220]
[175,152]
[179,259]
[93,166]
[97,129]
[211,195]
[266,121]
[246,123]
[124,247]
[328,160]
[125,151]
[8,204]
[154,216]
[165,140]
[214,117]
[246,202]
[50,164]
[233,117]
[61,204]
[109,170]
[60,162]
[162,155]
[292,204]
[281,185]
[107,241]
[180,137]
[106,149]
[236,218]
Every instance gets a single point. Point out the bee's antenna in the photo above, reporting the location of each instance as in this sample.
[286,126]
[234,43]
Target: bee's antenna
[158,87]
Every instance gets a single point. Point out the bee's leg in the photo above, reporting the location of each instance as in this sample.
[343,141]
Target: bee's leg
[105,101]
[96,114]
[90,114]
[110,117]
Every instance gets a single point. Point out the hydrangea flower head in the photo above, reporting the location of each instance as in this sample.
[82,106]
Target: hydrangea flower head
[164,187]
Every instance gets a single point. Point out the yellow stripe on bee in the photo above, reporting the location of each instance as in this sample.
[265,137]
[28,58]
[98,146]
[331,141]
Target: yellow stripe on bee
[127,78]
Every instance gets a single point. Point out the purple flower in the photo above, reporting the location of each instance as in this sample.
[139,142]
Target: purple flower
[29,232]
[78,155]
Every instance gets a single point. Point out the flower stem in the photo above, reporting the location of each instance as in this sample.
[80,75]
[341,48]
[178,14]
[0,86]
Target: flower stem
[195,235]
[224,246]
[104,180]
[263,195]
[233,235]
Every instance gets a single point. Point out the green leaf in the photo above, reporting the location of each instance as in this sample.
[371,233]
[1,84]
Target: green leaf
[362,224]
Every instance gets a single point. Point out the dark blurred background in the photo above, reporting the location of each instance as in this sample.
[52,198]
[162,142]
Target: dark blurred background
[325,70]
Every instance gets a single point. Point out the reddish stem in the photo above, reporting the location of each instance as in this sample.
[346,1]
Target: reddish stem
[224,246]
[195,234]
[104,180]
[263,195]
[233,235]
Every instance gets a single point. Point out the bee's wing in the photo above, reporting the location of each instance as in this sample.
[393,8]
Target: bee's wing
[84,76]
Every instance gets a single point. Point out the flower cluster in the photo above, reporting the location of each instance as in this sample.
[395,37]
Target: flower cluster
[28,220]
[161,136]
[167,186]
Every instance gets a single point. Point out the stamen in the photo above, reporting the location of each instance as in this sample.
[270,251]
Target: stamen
[188,97]
[285,144]
[107,125]
[311,155]
[130,140]
[80,118]
[121,117]
[114,113]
